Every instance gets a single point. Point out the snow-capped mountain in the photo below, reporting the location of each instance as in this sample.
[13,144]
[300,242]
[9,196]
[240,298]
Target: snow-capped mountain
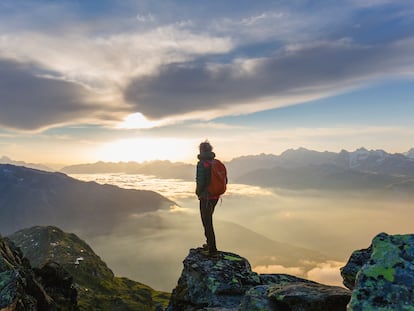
[362,155]
[306,169]
[376,161]
[362,160]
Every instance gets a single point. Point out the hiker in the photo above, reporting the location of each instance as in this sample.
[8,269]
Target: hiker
[207,200]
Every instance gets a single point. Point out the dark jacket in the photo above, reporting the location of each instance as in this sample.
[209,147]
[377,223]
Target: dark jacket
[203,173]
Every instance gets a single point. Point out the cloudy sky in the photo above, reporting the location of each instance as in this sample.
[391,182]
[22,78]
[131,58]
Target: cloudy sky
[82,81]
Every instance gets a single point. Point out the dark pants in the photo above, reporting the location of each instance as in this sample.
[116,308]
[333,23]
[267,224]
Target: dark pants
[206,211]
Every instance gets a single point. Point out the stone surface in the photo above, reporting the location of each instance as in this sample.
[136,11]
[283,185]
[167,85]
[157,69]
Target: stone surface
[296,296]
[20,288]
[354,264]
[212,283]
[386,280]
[58,283]
[228,283]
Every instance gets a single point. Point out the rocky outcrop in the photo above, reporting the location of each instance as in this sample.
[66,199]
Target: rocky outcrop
[382,277]
[295,295]
[50,249]
[205,282]
[228,283]
[354,264]
[23,289]
[58,283]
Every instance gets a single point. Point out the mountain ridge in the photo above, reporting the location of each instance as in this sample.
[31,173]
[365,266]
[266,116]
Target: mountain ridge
[307,169]
[293,169]
[239,165]
[34,197]
[39,166]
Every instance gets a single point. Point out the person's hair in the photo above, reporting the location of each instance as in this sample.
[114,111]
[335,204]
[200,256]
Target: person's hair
[205,147]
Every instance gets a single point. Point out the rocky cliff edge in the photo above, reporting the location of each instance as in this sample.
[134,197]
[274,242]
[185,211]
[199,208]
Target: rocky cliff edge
[228,283]
[23,288]
[380,277]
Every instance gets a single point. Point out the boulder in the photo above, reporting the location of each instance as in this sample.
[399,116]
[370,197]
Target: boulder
[386,280]
[354,264]
[212,282]
[19,289]
[59,284]
[296,295]
[227,283]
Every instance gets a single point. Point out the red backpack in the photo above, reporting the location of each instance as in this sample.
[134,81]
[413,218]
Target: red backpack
[218,178]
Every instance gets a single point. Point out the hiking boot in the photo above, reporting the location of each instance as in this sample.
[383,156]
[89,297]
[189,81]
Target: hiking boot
[213,254]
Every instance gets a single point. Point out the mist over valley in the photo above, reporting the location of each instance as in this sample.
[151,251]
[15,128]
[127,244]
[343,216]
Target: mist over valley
[305,224]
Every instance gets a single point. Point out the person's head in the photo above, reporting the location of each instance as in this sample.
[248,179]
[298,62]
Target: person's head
[205,147]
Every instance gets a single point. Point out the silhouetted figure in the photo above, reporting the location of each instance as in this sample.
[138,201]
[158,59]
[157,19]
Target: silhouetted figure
[207,202]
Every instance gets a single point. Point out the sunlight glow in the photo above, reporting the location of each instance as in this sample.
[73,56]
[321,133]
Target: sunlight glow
[137,121]
[147,149]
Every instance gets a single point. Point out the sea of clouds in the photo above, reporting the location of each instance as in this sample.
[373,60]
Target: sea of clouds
[334,224]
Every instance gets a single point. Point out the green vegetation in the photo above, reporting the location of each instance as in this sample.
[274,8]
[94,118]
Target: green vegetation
[98,288]
[233,258]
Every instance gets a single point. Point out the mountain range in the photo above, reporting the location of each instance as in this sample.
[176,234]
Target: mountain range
[293,169]
[306,169]
[296,169]
[362,160]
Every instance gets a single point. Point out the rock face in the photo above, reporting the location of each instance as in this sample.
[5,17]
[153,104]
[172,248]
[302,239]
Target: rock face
[385,281]
[23,289]
[354,264]
[228,283]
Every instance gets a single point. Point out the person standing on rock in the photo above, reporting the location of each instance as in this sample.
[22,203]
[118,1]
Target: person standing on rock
[207,201]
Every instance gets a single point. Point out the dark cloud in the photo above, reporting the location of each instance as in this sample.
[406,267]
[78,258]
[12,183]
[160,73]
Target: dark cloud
[29,101]
[182,88]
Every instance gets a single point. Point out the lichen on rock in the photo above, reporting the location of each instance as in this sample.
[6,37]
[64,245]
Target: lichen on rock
[22,289]
[228,283]
[386,280]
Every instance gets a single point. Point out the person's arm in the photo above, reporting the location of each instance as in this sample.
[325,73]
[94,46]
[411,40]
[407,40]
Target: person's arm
[202,178]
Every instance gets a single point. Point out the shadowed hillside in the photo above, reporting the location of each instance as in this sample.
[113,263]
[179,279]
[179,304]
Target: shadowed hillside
[32,197]
[98,288]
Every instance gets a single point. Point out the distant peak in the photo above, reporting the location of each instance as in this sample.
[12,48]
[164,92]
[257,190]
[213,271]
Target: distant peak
[362,149]
[300,149]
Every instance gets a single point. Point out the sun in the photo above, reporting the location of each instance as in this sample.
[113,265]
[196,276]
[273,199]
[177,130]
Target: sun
[137,121]
[148,149]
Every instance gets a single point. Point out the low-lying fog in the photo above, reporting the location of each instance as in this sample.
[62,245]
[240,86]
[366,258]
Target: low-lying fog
[319,229]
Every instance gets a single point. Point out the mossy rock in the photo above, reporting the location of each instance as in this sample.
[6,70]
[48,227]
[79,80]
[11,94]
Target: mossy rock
[386,281]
